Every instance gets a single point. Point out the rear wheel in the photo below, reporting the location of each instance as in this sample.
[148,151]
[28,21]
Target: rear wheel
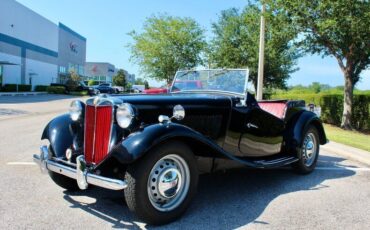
[63,181]
[162,184]
[309,151]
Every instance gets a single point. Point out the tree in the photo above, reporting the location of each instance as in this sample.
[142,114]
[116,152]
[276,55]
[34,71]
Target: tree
[120,78]
[146,83]
[92,83]
[166,45]
[73,80]
[236,39]
[315,87]
[139,81]
[337,28]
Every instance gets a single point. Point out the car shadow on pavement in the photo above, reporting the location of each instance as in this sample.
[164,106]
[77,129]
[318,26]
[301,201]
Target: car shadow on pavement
[228,199]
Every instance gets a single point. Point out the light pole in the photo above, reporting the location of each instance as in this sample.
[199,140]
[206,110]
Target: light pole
[261,57]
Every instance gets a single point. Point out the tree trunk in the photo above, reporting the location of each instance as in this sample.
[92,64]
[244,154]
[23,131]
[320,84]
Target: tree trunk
[347,101]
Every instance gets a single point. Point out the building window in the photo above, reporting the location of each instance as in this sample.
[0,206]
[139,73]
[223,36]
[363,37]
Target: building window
[62,69]
[71,67]
[81,70]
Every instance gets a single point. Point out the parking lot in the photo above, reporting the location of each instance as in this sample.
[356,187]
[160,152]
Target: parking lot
[335,196]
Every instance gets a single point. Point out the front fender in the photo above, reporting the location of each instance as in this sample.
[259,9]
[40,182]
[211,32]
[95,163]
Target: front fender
[139,143]
[58,132]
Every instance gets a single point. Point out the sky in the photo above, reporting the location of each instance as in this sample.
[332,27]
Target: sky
[105,24]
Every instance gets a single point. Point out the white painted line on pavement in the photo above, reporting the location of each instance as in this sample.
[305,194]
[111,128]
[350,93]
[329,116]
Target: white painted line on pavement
[342,168]
[21,163]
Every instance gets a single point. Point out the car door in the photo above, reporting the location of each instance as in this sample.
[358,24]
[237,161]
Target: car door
[253,132]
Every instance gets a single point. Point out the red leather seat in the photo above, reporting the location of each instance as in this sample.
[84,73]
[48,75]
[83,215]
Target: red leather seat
[276,108]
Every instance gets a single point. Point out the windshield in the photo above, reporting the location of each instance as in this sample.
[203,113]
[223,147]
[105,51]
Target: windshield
[233,81]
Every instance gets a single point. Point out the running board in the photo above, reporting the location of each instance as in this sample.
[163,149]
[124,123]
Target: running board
[279,162]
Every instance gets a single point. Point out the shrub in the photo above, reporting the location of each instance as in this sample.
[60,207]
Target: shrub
[56,89]
[79,93]
[332,107]
[9,88]
[73,81]
[332,110]
[41,88]
[24,88]
[308,98]
[92,82]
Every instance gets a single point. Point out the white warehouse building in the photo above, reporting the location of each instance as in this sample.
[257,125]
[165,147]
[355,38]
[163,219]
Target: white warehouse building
[34,50]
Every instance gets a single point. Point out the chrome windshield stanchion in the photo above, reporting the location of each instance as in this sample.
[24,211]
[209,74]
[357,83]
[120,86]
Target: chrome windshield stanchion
[81,173]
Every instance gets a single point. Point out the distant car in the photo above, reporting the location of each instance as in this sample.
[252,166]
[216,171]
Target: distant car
[187,85]
[106,88]
[155,91]
[178,84]
[138,88]
[117,89]
[81,87]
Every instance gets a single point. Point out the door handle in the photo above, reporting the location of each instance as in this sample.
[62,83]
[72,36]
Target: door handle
[250,125]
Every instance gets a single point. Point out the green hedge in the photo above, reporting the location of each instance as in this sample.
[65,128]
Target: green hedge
[56,89]
[24,88]
[9,88]
[41,88]
[92,82]
[332,110]
[332,107]
[79,93]
[13,88]
[308,98]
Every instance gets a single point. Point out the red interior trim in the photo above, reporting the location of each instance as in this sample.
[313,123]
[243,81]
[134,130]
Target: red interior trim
[275,108]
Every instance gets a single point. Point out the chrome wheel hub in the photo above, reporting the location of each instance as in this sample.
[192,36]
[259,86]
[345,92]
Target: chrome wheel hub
[309,150]
[168,182]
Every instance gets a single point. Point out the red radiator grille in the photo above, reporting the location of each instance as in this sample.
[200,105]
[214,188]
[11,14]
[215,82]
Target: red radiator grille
[98,121]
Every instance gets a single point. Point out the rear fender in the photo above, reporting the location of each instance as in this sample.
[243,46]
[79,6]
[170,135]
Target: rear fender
[297,127]
[59,133]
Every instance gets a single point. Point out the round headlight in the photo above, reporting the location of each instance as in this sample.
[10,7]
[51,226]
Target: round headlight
[75,110]
[125,115]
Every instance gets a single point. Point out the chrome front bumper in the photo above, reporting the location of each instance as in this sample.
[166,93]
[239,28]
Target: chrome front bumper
[79,172]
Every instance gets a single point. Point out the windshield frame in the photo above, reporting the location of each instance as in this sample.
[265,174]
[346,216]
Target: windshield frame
[209,90]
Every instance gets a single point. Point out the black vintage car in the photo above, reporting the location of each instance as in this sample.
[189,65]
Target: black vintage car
[153,147]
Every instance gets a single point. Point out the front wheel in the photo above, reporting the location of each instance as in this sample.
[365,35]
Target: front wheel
[162,184]
[309,151]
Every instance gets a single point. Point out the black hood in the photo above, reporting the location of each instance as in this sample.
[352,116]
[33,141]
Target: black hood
[203,112]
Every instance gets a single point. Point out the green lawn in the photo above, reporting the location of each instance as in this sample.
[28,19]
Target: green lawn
[351,138]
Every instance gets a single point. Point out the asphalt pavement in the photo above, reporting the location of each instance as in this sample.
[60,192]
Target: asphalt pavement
[335,196]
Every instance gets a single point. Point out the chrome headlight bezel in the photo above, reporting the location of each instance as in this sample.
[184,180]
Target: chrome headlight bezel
[125,115]
[75,110]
